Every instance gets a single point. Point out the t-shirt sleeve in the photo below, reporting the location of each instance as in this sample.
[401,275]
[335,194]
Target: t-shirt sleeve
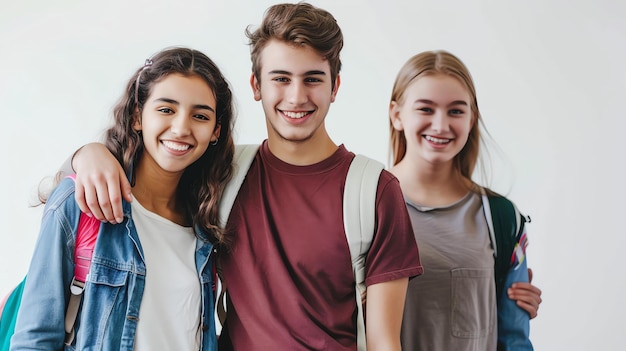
[66,167]
[394,253]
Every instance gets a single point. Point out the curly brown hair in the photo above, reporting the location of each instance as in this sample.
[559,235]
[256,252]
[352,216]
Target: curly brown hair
[201,185]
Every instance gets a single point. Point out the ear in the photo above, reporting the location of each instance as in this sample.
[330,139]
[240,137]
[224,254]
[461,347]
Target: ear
[333,94]
[394,116]
[137,121]
[216,132]
[256,87]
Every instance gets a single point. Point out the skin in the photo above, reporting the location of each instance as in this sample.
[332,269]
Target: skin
[293,82]
[295,90]
[436,119]
[177,123]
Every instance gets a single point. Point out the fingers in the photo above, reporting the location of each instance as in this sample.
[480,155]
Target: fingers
[531,309]
[126,188]
[527,297]
[530,275]
[79,195]
[99,194]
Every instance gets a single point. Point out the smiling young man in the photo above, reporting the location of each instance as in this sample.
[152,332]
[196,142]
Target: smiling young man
[288,268]
[289,272]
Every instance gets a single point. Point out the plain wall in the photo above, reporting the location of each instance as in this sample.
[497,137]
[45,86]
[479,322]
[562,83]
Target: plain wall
[550,79]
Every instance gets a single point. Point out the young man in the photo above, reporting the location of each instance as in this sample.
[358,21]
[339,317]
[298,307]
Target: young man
[288,268]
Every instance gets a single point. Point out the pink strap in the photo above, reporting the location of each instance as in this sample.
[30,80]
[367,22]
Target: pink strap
[86,236]
[88,228]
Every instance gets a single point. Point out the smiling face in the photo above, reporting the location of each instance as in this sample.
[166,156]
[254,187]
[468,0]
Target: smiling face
[295,88]
[436,118]
[178,121]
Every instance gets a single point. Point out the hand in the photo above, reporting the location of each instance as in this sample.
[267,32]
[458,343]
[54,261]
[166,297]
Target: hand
[100,183]
[527,296]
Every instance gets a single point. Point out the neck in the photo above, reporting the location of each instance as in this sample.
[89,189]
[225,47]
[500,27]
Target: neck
[431,185]
[302,153]
[155,189]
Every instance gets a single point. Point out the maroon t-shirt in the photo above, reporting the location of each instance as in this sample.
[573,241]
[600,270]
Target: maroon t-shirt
[289,271]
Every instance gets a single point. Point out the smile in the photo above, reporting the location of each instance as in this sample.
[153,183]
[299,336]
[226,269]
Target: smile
[295,115]
[436,140]
[176,146]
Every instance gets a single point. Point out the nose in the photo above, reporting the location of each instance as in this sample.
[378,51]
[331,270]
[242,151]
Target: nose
[180,124]
[297,93]
[439,122]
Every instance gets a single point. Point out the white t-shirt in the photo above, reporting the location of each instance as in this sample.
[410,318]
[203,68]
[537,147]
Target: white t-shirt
[169,315]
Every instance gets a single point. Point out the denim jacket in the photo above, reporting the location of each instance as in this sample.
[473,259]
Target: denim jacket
[114,289]
[513,322]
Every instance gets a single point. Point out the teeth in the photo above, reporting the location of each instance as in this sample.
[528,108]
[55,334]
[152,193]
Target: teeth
[176,146]
[436,140]
[296,115]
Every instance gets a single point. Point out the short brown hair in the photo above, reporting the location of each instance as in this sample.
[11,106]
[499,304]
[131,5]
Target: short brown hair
[298,24]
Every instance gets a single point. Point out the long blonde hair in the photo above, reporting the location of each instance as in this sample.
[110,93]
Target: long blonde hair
[438,62]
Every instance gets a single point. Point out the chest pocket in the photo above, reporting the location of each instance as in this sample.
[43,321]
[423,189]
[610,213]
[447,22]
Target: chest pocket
[473,305]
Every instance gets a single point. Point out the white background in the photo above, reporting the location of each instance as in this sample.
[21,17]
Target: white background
[550,78]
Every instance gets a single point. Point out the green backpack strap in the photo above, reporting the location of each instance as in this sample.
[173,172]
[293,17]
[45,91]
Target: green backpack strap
[359,220]
[505,225]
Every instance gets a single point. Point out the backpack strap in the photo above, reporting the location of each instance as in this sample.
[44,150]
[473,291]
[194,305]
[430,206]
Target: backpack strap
[242,159]
[86,235]
[505,224]
[359,220]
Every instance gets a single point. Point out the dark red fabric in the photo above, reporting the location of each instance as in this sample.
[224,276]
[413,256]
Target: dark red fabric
[289,272]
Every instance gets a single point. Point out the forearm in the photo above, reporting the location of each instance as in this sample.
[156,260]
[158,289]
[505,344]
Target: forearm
[384,309]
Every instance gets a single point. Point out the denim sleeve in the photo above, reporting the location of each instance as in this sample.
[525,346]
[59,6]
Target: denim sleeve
[513,322]
[40,320]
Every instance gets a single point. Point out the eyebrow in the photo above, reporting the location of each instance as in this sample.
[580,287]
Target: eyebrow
[307,73]
[174,102]
[456,102]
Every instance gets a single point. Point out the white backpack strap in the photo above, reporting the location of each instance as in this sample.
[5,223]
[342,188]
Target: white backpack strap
[487,212]
[244,155]
[359,219]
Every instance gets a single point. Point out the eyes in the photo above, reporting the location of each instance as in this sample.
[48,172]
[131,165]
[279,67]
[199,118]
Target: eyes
[311,80]
[427,110]
[198,116]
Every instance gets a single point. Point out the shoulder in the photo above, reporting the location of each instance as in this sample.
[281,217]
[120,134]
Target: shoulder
[62,197]
[499,201]
[61,192]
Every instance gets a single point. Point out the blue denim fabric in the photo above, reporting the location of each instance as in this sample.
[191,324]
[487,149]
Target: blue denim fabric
[513,322]
[110,307]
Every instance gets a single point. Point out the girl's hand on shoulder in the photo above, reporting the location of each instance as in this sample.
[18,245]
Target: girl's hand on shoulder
[100,183]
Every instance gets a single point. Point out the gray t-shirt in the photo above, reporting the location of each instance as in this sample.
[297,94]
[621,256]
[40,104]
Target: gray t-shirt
[452,306]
